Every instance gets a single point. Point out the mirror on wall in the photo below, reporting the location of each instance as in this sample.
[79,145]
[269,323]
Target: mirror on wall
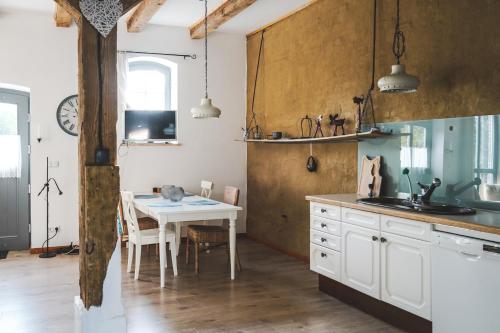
[463,152]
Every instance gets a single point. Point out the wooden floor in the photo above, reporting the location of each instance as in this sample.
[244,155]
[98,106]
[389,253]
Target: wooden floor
[274,293]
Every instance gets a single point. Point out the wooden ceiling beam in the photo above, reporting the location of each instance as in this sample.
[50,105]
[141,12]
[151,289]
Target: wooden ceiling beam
[220,15]
[143,14]
[62,18]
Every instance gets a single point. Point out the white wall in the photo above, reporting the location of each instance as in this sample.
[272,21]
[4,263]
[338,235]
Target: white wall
[208,148]
[37,55]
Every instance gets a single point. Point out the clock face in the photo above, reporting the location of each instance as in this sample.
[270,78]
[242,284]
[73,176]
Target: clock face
[67,115]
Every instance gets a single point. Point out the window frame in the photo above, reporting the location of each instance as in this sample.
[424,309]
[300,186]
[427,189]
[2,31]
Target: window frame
[495,129]
[156,62]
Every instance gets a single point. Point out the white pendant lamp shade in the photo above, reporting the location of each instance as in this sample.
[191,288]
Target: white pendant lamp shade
[205,110]
[398,82]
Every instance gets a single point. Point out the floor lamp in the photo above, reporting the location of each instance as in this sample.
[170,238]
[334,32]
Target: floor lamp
[46,187]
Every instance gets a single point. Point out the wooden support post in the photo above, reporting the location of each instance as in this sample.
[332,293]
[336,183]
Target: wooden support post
[88,58]
[101,199]
[99,185]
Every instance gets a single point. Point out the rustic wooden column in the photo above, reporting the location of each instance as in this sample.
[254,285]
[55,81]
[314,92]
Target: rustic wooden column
[99,184]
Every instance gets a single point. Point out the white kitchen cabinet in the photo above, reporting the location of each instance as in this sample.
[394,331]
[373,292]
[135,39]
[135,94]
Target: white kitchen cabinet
[326,211]
[361,259]
[361,218]
[405,274]
[385,257]
[325,262]
[405,227]
[324,239]
[325,225]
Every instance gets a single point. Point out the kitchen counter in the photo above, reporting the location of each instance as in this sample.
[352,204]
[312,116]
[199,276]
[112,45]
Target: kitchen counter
[483,220]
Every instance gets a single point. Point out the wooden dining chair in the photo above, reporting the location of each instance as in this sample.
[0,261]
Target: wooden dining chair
[206,192]
[138,237]
[213,235]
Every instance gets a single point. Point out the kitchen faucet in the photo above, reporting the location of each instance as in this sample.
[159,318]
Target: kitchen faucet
[427,190]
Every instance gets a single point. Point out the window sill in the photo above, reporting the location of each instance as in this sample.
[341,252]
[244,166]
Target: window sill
[151,144]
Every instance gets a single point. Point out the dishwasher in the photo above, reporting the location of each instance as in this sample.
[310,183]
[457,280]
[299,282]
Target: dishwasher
[465,283]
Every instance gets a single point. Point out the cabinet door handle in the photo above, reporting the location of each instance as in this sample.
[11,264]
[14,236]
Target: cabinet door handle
[323,255]
[374,238]
[323,240]
[323,210]
[383,240]
[323,225]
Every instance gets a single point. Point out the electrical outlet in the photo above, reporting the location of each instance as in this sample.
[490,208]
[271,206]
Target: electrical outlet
[52,230]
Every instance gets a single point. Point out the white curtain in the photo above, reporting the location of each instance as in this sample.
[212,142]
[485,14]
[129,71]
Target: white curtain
[10,156]
[122,68]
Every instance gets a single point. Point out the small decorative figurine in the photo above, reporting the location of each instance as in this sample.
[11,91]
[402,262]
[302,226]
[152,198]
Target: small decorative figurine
[318,126]
[358,100]
[335,123]
[306,125]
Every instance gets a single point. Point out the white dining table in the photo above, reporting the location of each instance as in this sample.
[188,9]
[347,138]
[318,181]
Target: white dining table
[188,209]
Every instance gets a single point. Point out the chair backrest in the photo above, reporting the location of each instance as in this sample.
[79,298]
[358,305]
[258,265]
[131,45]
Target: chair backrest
[231,195]
[129,212]
[206,188]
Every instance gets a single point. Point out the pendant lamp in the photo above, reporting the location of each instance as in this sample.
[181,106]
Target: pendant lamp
[206,109]
[398,82]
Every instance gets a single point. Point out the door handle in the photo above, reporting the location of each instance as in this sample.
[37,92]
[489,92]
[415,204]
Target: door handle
[323,240]
[374,238]
[323,210]
[383,240]
[323,225]
[470,257]
[323,255]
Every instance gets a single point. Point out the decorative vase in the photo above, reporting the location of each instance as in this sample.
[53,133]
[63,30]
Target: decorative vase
[165,191]
[175,193]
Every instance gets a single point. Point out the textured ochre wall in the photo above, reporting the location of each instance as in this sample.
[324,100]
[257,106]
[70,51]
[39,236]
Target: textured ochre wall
[315,61]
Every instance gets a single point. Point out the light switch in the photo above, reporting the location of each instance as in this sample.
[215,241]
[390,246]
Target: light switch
[53,164]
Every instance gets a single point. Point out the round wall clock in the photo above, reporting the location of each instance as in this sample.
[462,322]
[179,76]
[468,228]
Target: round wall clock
[67,115]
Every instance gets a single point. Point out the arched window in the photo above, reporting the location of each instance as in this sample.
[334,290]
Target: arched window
[151,100]
[151,84]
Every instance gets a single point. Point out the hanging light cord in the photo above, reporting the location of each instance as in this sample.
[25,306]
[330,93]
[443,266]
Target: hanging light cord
[368,101]
[206,48]
[254,120]
[100,113]
[398,44]
[374,39]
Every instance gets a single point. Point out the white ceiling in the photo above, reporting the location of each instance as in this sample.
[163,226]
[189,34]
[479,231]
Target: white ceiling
[183,13]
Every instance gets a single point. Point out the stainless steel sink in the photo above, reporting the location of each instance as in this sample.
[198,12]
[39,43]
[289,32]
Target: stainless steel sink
[429,208]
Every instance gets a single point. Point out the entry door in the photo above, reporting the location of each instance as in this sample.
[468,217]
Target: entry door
[14,170]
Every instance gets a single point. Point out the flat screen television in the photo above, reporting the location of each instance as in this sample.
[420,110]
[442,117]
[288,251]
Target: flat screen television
[150,126]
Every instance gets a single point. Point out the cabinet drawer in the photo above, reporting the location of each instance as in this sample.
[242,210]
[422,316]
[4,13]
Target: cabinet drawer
[326,240]
[361,218]
[327,211]
[325,225]
[325,262]
[404,227]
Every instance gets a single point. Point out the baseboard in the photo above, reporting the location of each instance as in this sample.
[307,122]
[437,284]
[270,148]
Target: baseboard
[381,310]
[38,250]
[303,258]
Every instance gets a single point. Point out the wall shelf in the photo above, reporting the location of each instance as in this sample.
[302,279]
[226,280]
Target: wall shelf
[356,137]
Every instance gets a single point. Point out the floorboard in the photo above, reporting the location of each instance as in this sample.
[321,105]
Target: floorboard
[273,293]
